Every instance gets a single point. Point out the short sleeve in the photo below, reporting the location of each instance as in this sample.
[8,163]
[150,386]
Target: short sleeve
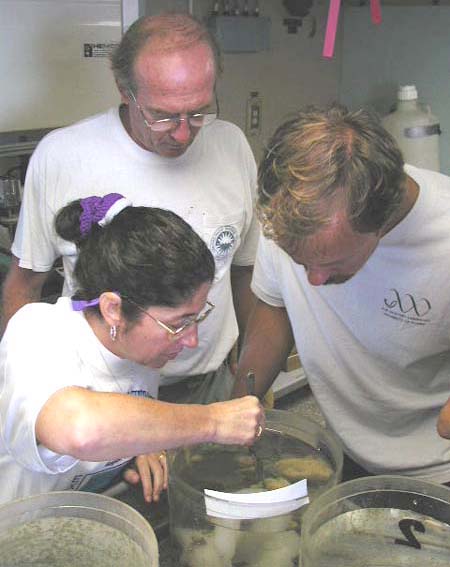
[33,366]
[266,274]
[34,241]
[245,254]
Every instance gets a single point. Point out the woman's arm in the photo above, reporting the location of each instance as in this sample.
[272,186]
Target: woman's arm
[100,426]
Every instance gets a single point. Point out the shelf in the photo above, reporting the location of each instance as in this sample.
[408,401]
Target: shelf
[288,382]
[21,142]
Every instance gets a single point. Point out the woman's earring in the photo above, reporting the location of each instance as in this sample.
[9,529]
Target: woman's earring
[113,332]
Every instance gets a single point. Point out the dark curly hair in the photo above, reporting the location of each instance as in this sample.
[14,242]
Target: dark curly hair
[149,255]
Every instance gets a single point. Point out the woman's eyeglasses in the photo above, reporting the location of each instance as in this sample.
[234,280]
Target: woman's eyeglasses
[188,322]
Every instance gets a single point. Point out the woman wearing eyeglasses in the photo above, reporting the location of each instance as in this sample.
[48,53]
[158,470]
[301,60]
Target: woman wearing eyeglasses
[78,378]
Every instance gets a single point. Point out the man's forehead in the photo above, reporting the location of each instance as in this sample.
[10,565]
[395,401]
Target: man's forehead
[156,54]
[330,244]
[181,73]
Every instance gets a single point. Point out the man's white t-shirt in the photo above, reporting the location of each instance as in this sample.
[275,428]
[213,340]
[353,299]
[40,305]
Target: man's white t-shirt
[46,348]
[212,186]
[376,349]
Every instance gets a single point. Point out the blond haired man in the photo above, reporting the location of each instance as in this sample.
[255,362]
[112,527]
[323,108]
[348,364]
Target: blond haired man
[354,268]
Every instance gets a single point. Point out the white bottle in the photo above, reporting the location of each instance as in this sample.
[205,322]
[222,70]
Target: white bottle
[415,129]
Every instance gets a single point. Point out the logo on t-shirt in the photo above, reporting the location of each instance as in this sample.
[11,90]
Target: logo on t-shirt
[223,241]
[406,307]
[140,394]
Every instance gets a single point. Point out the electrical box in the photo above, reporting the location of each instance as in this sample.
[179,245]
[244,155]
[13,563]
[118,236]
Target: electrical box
[240,34]
[134,9]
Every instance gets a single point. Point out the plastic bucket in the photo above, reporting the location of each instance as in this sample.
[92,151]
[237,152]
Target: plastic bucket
[291,448]
[68,528]
[384,521]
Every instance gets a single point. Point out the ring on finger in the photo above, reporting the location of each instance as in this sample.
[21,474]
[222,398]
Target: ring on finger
[162,456]
[259,430]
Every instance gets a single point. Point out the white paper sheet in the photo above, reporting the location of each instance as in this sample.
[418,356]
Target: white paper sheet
[256,504]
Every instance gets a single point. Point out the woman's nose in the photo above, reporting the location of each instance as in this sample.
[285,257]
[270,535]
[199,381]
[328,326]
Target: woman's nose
[189,338]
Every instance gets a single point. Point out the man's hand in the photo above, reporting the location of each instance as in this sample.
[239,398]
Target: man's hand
[20,287]
[443,424]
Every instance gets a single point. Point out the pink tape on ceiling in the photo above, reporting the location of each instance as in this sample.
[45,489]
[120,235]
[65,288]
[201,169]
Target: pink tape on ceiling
[375,11]
[330,33]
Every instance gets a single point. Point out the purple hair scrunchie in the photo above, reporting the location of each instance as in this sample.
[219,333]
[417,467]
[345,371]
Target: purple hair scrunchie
[95,209]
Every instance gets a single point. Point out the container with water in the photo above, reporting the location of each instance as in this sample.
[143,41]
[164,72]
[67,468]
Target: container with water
[290,449]
[63,529]
[415,129]
[383,521]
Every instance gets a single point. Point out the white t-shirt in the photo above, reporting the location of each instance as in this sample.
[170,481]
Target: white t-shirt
[212,186]
[376,349]
[46,348]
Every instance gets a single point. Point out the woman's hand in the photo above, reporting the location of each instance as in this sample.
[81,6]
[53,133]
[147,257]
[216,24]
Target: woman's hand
[152,472]
[239,421]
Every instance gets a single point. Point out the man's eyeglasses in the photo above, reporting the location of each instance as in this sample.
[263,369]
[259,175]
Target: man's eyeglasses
[188,322]
[171,122]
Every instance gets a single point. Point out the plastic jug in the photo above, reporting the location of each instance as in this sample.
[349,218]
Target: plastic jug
[415,129]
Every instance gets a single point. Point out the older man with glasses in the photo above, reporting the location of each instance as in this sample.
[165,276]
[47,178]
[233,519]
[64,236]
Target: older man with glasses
[163,147]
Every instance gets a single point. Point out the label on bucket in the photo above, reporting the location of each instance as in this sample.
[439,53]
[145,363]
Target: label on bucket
[242,506]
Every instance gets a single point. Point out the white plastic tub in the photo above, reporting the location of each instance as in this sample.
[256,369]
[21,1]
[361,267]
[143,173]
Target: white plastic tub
[65,529]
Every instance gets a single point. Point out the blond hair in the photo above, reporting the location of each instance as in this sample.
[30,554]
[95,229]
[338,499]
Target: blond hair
[325,160]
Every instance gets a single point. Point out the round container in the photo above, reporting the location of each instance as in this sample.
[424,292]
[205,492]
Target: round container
[415,129]
[63,529]
[291,449]
[384,521]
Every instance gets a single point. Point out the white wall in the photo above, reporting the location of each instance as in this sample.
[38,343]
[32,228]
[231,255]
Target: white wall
[50,83]
[46,80]
[291,74]
[411,46]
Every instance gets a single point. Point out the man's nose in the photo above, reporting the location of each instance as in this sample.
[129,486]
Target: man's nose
[182,132]
[317,276]
[189,338]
